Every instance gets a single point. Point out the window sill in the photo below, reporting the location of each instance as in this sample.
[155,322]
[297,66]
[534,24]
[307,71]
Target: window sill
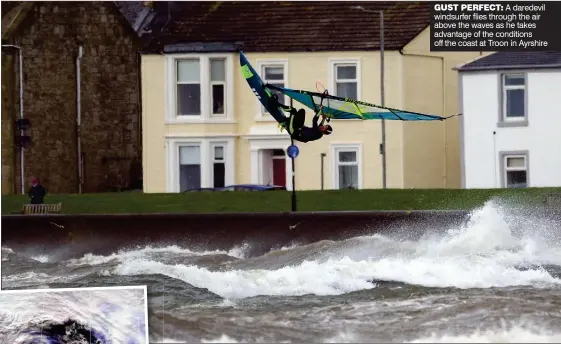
[199,120]
[512,124]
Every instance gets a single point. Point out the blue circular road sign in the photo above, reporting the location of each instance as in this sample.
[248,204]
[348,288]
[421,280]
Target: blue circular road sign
[292,151]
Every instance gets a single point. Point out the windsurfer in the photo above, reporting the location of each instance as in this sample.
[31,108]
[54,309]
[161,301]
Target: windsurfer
[302,133]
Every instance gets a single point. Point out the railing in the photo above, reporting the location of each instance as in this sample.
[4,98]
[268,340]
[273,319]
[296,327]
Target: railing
[34,209]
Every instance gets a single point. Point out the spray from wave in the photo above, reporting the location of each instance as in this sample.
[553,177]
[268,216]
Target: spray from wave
[238,252]
[499,265]
[484,253]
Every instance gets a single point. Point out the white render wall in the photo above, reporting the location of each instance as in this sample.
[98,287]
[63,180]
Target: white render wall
[479,97]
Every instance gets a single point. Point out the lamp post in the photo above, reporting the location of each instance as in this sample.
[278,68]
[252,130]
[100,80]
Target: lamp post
[322,156]
[382,100]
[292,152]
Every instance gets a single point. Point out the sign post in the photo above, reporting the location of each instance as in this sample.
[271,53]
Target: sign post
[292,151]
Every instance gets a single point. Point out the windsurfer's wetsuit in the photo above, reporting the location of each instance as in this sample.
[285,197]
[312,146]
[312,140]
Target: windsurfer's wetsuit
[294,124]
[299,131]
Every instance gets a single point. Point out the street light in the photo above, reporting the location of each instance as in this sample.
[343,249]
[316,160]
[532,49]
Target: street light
[322,156]
[383,144]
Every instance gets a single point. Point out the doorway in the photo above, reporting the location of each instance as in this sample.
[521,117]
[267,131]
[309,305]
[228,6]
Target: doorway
[279,170]
[274,167]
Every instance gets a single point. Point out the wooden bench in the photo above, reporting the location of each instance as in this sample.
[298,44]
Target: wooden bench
[553,200]
[35,209]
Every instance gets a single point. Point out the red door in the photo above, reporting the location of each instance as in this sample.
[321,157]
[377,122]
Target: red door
[279,172]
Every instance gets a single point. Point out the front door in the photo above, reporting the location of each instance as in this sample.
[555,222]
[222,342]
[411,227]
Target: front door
[279,171]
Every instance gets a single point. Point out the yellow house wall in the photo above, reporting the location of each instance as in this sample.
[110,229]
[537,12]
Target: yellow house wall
[243,162]
[153,124]
[432,150]
[423,141]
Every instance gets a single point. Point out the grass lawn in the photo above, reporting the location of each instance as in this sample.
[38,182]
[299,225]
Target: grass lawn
[277,201]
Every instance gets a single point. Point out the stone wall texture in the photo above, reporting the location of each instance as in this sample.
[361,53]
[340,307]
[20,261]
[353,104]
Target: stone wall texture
[110,98]
[8,124]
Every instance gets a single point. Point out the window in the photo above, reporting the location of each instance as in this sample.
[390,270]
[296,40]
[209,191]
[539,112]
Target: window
[199,162]
[218,85]
[200,88]
[515,170]
[189,167]
[188,88]
[218,167]
[514,97]
[346,80]
[274,72]
[347,167]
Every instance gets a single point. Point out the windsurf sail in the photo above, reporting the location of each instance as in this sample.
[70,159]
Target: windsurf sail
[263,93]
[333,107]
[346,108]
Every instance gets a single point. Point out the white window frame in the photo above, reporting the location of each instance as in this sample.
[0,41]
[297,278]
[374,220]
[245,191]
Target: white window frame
[190,144]
[261,64]
[199,82]
[504,89]
[224,84]
[213,145]
[207,145]
[504,156]
[334,62]
[345,147]
[206,116]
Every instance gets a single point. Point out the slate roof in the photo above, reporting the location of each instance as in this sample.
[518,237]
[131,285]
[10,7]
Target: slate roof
[274,26]
[130,9]
[19,10]
[515,60]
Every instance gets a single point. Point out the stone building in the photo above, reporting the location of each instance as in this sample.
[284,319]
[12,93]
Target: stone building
[50,35]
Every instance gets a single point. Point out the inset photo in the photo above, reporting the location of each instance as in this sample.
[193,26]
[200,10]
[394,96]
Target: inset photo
[105,315]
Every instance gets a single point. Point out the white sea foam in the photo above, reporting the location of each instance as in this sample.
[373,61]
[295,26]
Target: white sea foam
[515,334]
[239,252]
[41,258]
[482,254]
[222,339]
[30,277]
[4,252]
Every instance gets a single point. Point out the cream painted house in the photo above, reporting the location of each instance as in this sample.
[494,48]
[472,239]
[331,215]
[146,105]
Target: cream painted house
[203,126]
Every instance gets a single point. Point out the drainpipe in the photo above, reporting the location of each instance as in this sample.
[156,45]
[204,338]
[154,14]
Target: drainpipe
[21,154]
[79,118]
[443,81]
